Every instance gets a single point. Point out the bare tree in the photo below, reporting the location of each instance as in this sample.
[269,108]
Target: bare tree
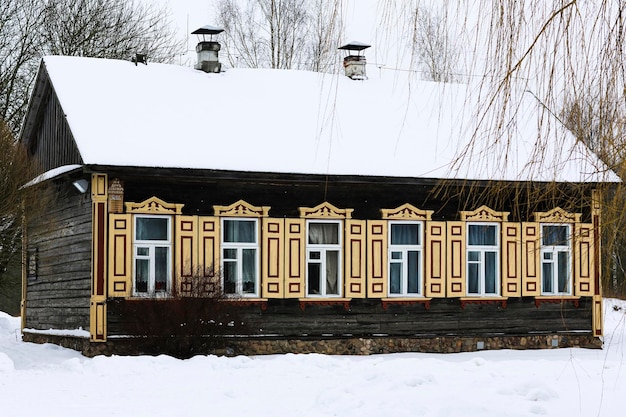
[15,170]
[19,53]
[437,53]
[107,29]
[299,34]
[98,28]
[325,34]
[568,55]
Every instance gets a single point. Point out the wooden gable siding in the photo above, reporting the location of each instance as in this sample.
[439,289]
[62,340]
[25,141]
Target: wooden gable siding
[52,143]
[59,296]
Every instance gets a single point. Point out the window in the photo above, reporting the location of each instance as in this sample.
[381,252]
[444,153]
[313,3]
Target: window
[240,262]
[482,259]
[152,251]
[323,253]
[555,259]
[405,258]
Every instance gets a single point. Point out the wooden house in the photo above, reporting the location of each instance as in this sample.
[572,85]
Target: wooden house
[329,214]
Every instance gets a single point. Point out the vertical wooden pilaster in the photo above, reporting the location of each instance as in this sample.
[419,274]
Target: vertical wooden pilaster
[97,311]
[295,261]
[377,253]
[596,208]
[24,272]
[456,259]
[511,260]
[354,259]
[186,255]
[272,257]
[584,262]
[209,252]
[120,255]
[531,260]
[435,254]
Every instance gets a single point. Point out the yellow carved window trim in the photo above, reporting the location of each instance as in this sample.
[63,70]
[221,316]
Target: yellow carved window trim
[406,212]
[557,215]
[325,210]
[241,209]
[154,205]
[485,214]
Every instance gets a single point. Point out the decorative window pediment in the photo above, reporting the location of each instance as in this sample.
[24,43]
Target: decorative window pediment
[557,215]
[154,205]
[325,211]
[241,209]
[406,212]
[484,214]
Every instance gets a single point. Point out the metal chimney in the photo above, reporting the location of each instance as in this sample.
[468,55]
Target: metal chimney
[208,49]
[354,64]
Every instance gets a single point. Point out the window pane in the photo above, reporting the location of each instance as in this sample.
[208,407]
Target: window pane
[230,254]
[473,256]
[151,228]
[332,272]
[230,277]
[314,278]
[395,278]
[323,233]
[143,251]
[240,231]
[563,260]
[547,277]
[414,267]
[249,270]
[396,255]
[555,235]
[472,278]
[142,272]
[490,272]
[315,255]
[161,268]
[482,234]
[405,234]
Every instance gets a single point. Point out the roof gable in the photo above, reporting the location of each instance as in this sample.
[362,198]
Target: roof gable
[45,131]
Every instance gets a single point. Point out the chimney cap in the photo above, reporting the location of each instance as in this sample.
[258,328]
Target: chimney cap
[355,46]
[207,30]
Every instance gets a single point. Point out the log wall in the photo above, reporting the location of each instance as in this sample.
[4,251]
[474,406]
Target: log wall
[366,317]
[58,297]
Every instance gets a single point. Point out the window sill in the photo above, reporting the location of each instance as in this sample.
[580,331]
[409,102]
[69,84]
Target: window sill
[483,300]
[153,296]
[386,302]
[557,299]
[304,302]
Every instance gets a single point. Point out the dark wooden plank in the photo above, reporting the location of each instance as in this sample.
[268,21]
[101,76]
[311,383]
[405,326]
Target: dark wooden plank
[60,295]
[367,317]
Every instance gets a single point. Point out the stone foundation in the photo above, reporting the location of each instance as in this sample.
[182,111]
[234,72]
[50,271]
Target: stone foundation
[330,346]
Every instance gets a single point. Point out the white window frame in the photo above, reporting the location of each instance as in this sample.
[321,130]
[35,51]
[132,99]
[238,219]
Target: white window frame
[323,248]
[404,250]
[554,250]
[482,250]
[151,245]
[240,247]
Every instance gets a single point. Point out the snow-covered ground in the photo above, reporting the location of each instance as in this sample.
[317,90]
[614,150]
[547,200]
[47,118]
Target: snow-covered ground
[46,380]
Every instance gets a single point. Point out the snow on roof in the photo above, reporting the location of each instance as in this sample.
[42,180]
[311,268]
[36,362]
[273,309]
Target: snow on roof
[53,173]
[287,121]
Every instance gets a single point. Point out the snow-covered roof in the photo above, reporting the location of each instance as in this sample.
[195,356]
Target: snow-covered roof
[53,173]
[287,121]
